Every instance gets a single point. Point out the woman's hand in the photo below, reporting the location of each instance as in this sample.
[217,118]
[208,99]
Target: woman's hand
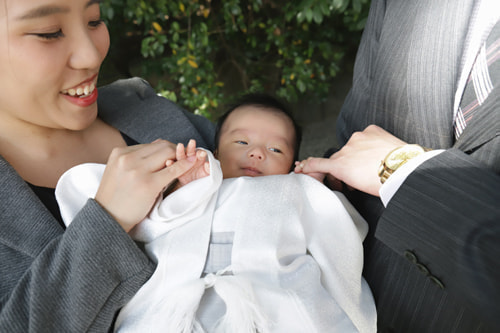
[135,176]
[357,163]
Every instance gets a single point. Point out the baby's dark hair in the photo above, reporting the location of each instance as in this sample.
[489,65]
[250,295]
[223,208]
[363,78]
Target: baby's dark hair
[266,102]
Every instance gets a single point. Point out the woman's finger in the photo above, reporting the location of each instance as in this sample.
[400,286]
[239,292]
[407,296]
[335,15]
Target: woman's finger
[152,156]
[176,170]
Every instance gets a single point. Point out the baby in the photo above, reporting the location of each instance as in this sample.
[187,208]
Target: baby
[243,244]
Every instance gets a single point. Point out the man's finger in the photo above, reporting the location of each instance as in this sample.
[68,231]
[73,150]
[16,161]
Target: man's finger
[317,164]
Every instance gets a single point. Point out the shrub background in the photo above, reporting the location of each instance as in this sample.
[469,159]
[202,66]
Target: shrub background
[203,53]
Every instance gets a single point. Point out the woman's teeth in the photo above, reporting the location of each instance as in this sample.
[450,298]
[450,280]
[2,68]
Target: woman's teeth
[80,91]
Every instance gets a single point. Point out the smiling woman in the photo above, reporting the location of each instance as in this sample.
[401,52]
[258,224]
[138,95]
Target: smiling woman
[50,55]
[68,56]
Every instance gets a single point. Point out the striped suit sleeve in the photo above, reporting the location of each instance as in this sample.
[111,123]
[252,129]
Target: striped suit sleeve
[450,218]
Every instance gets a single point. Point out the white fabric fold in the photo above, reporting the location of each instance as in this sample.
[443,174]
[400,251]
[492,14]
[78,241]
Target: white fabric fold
[297,255]
[181,206]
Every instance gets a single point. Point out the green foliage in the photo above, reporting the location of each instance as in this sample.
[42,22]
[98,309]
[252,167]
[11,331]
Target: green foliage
[203,52]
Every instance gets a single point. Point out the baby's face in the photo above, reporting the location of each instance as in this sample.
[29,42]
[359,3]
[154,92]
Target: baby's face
[256,142]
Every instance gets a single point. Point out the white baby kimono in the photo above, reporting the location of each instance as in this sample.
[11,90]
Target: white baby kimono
[296,258]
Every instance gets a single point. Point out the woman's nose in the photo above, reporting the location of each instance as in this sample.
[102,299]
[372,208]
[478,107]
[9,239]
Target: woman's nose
[88,51]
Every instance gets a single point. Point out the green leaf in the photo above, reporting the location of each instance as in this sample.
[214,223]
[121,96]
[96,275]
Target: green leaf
[301,86]
[317,15]
[308,14]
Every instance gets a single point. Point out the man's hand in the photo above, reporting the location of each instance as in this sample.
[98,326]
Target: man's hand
[357,163]
[299,168]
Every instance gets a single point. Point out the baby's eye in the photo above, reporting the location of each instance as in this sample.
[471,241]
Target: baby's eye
[241,142]
[275,150]
[50,35]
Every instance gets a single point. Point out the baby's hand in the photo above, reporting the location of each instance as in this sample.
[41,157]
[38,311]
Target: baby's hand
[300,167]
[201,167]
[312,167]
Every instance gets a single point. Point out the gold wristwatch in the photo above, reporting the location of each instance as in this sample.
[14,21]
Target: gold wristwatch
[397,158]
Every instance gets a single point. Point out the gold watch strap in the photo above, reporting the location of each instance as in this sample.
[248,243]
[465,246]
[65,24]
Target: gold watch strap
[384,172]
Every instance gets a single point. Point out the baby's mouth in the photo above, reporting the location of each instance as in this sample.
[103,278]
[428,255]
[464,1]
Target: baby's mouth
[249,171]
[82,91]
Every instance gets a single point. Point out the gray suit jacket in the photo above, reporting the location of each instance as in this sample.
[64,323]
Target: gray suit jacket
[432,254]
[76,280]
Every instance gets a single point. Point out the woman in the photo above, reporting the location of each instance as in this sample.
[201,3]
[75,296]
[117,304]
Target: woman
[50,54]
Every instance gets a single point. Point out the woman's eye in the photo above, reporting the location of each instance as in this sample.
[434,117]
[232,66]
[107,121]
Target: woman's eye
[50,35]
[96,23]
[58,34]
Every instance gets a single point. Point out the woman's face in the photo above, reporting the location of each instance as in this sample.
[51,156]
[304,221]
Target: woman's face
[50,54]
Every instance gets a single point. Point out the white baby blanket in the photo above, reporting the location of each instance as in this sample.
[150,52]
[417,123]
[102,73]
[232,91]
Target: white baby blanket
[296,261]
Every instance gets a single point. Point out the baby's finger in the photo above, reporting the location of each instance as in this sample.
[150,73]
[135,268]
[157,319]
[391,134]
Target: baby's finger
[191,148]
[180,152]
[298,167]
[201,155]
[207,167]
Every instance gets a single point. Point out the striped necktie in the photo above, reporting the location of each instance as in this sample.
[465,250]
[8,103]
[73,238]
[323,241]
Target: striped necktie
[484,76]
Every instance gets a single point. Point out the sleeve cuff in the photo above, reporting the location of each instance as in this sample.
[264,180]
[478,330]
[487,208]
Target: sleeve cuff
[391,186]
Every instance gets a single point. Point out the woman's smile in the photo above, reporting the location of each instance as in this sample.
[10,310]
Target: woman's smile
[84,94]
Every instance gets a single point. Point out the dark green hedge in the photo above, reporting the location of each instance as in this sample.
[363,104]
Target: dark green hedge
[201,53]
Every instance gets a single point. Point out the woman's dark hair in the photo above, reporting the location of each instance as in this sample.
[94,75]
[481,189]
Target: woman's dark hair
[263,101]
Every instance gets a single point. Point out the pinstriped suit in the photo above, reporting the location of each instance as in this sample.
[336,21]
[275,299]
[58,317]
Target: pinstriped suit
[410,74]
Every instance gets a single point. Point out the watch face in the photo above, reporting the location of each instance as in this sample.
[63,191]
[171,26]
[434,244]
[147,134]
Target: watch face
[402,154]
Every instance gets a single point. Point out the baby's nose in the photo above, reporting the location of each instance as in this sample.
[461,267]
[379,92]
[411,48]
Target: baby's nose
[257,153]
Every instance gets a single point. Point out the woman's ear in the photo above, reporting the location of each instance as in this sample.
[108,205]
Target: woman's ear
[216,152]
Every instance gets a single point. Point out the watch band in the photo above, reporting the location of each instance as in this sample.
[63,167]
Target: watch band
[384,173]
[404,153]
